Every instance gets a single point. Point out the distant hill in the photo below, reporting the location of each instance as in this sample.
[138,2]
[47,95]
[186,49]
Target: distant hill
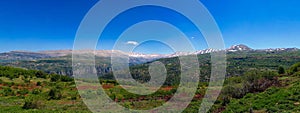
[22,55]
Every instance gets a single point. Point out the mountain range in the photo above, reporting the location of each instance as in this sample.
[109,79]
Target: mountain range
[240,59]
[27,55]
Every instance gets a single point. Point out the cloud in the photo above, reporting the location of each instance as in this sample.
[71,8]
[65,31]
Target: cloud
[192,37]
[132,43]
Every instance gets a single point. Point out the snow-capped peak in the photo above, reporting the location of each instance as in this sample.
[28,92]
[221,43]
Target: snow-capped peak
[240,47]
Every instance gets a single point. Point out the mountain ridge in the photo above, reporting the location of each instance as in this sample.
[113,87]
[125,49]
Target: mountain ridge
[29,55]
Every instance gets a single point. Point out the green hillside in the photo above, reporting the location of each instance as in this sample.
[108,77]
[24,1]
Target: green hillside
[256,81]
[257,90]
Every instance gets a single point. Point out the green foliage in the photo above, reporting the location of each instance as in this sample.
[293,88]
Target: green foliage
[33,102]
[66,79]
[36,91]
[27,92]
[294,69]
[38,83]
[12,73]
[272,100]
[23,91]
[7,91]
[55,94]
[281,70]
[40,74]
[253,84]
[54,77]
[63,78]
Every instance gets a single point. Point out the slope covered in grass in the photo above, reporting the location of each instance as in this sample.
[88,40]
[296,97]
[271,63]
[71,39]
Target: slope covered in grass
[275,99]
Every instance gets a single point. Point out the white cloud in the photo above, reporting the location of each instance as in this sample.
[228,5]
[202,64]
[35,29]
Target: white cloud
[192,37]
[132,43]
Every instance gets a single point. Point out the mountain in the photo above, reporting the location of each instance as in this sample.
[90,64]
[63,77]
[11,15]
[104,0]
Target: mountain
[27,55]
[234,48]
[22,55]
[279,49]
[240,47]
[240,58]
[101,53]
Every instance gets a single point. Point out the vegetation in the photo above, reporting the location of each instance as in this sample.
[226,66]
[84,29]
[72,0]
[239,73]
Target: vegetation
[256,82]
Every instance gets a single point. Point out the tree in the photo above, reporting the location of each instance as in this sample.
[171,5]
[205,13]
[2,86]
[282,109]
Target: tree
[66,79]
[55,94]
[54,77]
[281,70]
[40,74]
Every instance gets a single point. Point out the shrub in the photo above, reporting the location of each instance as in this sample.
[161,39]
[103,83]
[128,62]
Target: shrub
[74,97]
[294,68]
[39,83]
[33,102]
[235,91]
[54,78]
[7,91]
[297,74]
[55,94]
[23,91]
[281,70]
[36,91]
[10,84]
[66,79]
[40,74]
[269,75]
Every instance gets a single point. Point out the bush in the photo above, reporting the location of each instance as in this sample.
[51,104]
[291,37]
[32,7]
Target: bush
[36,91]
[39,83]
[7,91]
[281,70]
[33,102]
[297,74]
[9,84]
[269,75]
[23,91]
[66,79]
[54,78]
[55,94]
[40,74]
[295,68]
[235,91]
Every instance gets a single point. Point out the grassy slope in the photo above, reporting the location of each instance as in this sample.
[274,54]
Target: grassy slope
[274,99]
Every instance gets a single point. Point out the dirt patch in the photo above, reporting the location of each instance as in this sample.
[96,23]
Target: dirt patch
[107,86]
[87,87]
[168,88]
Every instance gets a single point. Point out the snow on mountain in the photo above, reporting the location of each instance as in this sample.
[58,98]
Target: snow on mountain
[206,51]
[102,53]
[240,47]
[279,49]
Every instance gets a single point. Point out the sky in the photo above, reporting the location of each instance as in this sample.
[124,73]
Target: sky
[35,25]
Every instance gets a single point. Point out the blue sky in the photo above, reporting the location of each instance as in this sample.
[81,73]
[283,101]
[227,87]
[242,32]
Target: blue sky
[36,25]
